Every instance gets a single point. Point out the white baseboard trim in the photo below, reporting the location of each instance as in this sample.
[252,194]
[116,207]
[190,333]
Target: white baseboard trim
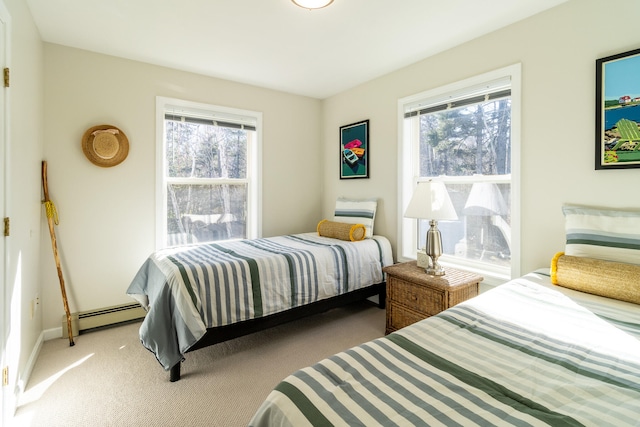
[23,379]
[52,333]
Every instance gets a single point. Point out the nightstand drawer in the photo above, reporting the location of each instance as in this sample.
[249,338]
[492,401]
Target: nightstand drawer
[414,296]
[398,317]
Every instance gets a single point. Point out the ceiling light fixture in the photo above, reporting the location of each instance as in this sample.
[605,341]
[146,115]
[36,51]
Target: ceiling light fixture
[312,4]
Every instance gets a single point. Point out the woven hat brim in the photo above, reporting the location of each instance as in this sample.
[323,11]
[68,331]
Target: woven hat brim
[87,147]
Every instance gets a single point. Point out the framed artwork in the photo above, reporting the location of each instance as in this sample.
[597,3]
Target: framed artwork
[354,150]
[618,111]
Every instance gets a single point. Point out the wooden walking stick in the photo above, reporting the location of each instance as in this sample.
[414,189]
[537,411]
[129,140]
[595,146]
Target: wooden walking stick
[52,217]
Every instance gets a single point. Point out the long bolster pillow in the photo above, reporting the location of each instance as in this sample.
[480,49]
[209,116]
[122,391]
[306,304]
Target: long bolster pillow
[605,278]
[341,230]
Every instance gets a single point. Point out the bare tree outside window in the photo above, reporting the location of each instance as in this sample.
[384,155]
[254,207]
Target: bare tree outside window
[466,141]
[466,134]
[206,176]
[469,148]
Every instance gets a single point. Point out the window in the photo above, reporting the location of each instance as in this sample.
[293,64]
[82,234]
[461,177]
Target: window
[208,173]
[467,136]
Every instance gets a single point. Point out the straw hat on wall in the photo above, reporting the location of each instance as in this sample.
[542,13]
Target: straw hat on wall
[105,145]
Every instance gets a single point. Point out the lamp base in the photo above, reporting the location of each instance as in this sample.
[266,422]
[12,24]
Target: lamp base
[425,261]
[434,249]
[437,271]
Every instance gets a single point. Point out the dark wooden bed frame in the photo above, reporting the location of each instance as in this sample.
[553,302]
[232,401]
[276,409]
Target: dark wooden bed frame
[224,333]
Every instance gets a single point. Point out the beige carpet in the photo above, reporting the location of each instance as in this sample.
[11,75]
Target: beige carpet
[109,379]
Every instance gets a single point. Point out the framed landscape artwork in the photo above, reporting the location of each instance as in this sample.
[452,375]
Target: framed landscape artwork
[618,111]
[354,150]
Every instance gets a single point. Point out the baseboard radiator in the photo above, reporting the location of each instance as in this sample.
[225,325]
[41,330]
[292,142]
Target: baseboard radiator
[86,320]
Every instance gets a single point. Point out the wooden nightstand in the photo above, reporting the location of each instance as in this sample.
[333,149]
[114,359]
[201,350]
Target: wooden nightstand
[413,295]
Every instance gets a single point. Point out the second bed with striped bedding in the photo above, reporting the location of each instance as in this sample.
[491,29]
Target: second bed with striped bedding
[526,354]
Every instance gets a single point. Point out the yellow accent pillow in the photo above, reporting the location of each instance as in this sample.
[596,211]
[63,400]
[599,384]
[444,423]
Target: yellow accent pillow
[341,230]
[609,279]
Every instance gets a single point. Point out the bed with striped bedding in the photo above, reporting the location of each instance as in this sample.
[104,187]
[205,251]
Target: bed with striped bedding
[192,289]
[527,353]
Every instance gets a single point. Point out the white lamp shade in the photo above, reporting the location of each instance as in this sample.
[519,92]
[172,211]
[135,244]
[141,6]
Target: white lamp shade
[313,4]
[485,199]
[431,200]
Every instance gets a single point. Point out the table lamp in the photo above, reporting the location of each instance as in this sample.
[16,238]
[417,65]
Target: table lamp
[431,201]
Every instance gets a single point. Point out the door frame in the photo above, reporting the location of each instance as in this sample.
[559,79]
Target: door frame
[8,393]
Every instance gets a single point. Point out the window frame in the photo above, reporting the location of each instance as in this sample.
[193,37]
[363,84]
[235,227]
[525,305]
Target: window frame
[254,164]
[408,173]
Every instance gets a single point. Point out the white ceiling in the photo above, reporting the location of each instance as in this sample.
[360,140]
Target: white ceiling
[273,43]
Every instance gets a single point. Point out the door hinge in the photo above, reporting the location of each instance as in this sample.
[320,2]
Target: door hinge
[5,376]
[6,77]
[7,227]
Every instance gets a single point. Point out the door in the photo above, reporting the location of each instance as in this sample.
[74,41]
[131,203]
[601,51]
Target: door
[8,395]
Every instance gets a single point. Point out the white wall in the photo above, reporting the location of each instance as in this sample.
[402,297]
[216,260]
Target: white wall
[107,216]
[558,49]
[24,194]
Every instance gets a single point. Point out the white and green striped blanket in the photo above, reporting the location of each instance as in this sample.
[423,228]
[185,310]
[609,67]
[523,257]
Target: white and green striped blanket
[188,289]
[524,354]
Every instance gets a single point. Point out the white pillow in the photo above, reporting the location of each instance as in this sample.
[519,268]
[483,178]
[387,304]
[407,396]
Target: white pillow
[357,212]
[605,234]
